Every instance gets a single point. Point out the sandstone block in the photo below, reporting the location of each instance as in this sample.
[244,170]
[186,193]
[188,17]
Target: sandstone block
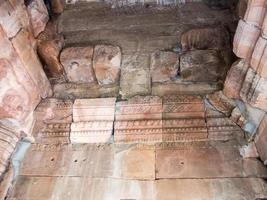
[205,38]
[53,110]
[254,90]
[135,76]
[261,140]
[234,79]
[93,109]
[164,66]
[9,19]
[107,63]
[38,16]
[93,120]
[201,66]
[256,11]
[77,62]
[245,39]
[257,59]
[31,62]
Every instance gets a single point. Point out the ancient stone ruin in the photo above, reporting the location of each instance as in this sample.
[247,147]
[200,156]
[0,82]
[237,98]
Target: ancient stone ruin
[128,99]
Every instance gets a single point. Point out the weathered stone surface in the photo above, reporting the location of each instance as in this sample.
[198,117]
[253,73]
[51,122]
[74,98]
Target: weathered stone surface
[164,66]
[256,11]
[138,120]
[38,16]
[249,151]
[107,63]
[9,19]
[53,110]
[201,65]
[205,160]
[31,62]
[205,38]
[184,88]
[135,76]
[44,188]
[93,109]
[77,62]
[261,140]
[76,91]
[222,128]
[245,39]
[221,103]
[234,79]
[57,6]
[259,60]
[8,137]
[93,120]
[254,90]
[264,27]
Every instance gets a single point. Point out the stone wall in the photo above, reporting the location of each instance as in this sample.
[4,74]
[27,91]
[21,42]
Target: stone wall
[246,81]
[23,82]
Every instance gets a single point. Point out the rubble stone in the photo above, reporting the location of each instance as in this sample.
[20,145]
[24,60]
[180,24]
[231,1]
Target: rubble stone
[106,63]
[164,66]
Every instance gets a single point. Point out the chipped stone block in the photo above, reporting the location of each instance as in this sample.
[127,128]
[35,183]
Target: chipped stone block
[135,76]
[205,38]
[77,62]
[245,39]
[258,55]
[107,63]
[256,11]
[52,110]
[234,79]
[201,65]
[164,66]
[93,109]
[38,16]
[261,140]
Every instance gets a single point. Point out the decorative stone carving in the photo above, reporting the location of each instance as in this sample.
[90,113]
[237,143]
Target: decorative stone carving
[222,128]
[201,65]
[77,62]
[254,90]
[38,16]
[93,120]
[245,39]
[138,120]
[107,63]
[164,66]
[234,79]
[135,69]
[256,11]
[205,38]
[261,140]
[53,110]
